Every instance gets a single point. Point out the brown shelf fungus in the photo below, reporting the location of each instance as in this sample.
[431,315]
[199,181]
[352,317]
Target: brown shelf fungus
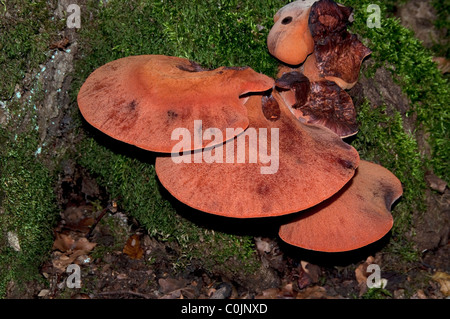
[358,215]
[322,47]
[141,100]
[289,40]
[254,175]
[338,54]
[319,102]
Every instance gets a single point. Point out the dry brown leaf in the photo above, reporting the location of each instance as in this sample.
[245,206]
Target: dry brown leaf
[84,245]
[188,293]
[287,290]
[133,247]
[312,270]
[61,44]
[361,271]
[361,275]
[443,64]
[444,281]
[60,260]
[419,295]
[303,280]
[63,242]
[176,294]
[68,250]
[167,285]
[270,293]
[314,292]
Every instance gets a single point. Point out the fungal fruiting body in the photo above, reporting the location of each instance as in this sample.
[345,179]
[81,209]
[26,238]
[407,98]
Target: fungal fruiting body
[237,143]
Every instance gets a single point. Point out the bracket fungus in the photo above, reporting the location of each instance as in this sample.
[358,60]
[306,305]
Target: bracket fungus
[319,102]
[338,54]
[314,163]
[289,40]
[358,215]
[269,148]
[140,100]
[326,50]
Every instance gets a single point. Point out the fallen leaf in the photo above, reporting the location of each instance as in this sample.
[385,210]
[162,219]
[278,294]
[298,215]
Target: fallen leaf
[304,280]
[60,45]
[443,64]
[361,271]
[188,293]
[287,291]
[175,289]
[314,292]
[176,294]
[419,295]
[60,261]
[361,275]
[133,247]
[444,281]
[270,293]
[63,242]
[312,270]
[84,245]
[44,293]
[167,285]
[68,250]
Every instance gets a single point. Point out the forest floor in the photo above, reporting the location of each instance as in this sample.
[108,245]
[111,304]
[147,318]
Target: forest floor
[128,263]
[118,259]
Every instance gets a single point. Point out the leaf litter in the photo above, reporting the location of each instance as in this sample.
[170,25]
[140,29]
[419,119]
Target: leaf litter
[118,259]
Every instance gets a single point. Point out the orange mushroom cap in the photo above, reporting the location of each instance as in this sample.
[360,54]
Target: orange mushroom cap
[313,163]
[337,53]
[140,100]
[289,40]
[358,215]
[319,102]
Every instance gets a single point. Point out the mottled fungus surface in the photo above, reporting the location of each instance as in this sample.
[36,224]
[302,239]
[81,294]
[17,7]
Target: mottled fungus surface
[313,35]
[141,100]
[319,102]
[338,54]
[358,215]
[277,166]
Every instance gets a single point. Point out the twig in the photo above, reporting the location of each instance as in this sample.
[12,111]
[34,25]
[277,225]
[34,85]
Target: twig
[124,292]
[111,207]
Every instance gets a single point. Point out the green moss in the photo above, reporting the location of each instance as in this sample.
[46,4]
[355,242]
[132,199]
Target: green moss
[377,293]
[27,209]
[235,35]
[27,200]
[396,48]
[382,139]
[26,29]
[134,183]
[442,8]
